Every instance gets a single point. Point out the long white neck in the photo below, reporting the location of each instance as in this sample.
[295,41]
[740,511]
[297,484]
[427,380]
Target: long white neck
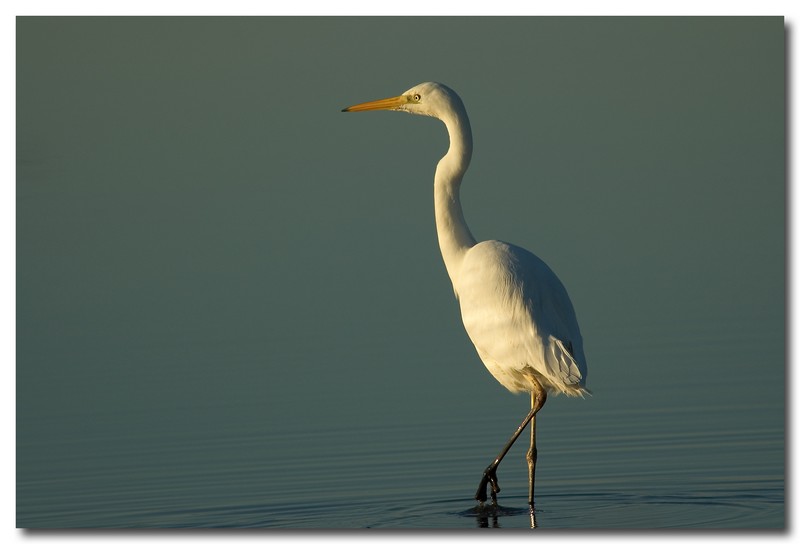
[454,235]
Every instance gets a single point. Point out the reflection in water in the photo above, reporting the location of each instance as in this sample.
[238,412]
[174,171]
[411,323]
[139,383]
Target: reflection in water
[487,514]
[661,469]
[483,521]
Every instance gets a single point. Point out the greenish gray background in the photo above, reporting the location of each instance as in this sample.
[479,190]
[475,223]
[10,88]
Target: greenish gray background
[209,253]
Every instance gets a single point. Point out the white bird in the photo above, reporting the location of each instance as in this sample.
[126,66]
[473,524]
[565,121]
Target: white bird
[515,309]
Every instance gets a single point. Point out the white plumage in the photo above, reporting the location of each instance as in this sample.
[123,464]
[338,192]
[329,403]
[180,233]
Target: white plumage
[520,318]
[515,310]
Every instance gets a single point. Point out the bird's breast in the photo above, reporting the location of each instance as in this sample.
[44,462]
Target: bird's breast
[495,312]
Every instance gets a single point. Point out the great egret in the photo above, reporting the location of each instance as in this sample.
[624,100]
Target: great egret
[514,308]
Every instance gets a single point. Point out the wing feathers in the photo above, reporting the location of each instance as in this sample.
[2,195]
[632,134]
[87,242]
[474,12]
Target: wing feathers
[562,363]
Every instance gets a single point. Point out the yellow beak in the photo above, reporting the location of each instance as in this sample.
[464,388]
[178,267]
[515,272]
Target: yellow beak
[382,104]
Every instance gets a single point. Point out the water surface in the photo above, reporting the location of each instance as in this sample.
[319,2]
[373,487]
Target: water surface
[642,455]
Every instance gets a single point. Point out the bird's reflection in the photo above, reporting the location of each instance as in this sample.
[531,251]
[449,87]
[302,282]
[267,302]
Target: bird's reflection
[487,515]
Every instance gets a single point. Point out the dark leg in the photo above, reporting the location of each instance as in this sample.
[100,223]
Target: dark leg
[538,397]
[532,453]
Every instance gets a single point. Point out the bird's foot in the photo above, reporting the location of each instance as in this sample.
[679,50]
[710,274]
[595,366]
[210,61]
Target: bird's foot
[489,479]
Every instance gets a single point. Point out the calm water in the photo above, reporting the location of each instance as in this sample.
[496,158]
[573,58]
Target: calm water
[672,454]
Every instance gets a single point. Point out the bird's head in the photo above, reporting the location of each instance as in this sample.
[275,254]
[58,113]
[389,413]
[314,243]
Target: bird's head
[432,99]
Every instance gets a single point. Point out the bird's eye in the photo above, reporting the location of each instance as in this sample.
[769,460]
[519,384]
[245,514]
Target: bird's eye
[417,98]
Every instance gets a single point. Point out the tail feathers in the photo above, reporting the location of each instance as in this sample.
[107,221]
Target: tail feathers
[564,368]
